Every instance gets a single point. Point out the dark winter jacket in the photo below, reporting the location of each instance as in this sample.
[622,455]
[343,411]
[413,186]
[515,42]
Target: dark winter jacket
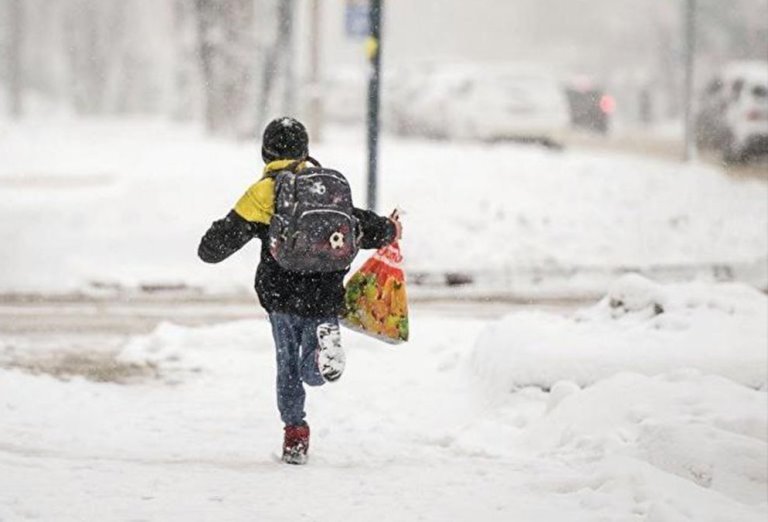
[280,290]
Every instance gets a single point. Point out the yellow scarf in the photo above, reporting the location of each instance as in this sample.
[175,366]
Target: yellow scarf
[258,202]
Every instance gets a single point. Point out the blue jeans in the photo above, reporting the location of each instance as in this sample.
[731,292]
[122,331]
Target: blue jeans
[296,344]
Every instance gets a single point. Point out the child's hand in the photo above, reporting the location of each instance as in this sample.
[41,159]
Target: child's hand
[398,229]
[395,219]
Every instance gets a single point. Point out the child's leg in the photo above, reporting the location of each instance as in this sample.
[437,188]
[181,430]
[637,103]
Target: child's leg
[286,330]
[322,357]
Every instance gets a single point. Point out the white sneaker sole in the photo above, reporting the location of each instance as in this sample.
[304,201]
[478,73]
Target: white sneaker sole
[330,355]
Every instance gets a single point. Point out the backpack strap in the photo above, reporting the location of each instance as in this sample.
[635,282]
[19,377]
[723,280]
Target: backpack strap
[295,165]
[313,161]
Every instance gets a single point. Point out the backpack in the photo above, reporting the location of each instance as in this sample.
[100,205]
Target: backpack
[312,227]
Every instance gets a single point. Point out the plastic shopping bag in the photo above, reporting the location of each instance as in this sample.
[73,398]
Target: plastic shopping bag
[375,297]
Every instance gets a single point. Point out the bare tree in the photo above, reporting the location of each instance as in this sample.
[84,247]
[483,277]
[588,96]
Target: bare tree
[93,44]
[277,67]
[14,56]
[226,48]
[188,66]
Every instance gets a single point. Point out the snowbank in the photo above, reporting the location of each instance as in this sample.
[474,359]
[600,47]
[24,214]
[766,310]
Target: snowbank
[639,326]
[656,399]
[177,350]
[705,430]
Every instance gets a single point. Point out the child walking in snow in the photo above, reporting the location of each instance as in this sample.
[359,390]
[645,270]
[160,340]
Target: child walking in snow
[303,306]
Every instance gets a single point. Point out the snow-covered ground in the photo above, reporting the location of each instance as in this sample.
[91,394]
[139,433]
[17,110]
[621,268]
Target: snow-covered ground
[99,204]
[650,405]
[446,427]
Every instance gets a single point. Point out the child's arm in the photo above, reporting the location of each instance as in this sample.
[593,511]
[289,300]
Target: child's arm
[377,231]
[225,237]
[251,214]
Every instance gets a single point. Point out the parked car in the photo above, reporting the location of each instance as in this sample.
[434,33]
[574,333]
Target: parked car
[424,101]
[489,103]
[733,112]
[403,87]
[590,106]
[507,103]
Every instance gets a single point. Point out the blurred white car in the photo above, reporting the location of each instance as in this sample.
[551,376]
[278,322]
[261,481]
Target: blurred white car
[746,111]
[733,111]
[481,102]
[502,104]
[416,96]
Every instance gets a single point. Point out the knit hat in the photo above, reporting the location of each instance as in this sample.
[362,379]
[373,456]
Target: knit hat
[284,138]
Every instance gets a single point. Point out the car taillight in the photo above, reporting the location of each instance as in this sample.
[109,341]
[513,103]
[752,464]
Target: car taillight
[757,114]
[607,104]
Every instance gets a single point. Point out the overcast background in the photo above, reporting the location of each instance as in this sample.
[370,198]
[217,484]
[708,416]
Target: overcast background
[143,56]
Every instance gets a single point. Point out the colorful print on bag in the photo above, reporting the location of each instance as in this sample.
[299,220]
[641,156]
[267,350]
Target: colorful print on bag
[375,297]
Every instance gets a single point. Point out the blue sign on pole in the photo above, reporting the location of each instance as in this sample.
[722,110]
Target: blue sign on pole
[356,19]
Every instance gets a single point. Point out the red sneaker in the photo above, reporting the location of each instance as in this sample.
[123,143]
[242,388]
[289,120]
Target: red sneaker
[296,444]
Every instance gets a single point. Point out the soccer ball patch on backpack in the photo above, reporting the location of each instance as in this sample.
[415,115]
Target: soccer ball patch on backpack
[312,228]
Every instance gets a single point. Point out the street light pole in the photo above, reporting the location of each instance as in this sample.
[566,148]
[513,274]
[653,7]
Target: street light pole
[15,68]
[285,41]
[315,82]
[373,48]
[690,152]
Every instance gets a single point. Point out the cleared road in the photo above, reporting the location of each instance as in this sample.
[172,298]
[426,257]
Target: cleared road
[51,315]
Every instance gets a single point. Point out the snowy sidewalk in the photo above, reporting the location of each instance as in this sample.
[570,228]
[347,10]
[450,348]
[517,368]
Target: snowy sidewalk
[442,428]
[205,448]
[125,205]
